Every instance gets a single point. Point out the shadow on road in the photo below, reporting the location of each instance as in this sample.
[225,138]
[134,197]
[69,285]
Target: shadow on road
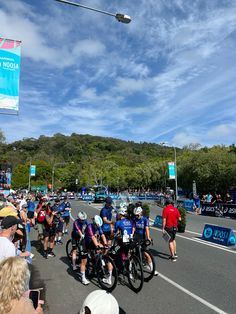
[159,254]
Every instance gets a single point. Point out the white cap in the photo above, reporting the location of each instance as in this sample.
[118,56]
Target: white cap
[100,302]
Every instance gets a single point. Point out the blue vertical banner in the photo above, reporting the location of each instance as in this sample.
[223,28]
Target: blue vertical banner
[171,167]
[10,51]
[32,171]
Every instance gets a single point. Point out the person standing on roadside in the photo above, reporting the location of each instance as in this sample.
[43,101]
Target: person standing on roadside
[106,215]
[8,230]
[171,217]
[66,210]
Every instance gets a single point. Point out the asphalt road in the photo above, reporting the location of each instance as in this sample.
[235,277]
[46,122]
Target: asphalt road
[201,281]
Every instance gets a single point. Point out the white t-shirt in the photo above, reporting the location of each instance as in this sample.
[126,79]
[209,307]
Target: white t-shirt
[7,248]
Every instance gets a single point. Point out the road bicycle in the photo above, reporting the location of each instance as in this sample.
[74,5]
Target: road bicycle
[128,264]
[145,256]
[98,264]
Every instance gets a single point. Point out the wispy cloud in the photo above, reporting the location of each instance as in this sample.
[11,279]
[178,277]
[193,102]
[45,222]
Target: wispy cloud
[168,75]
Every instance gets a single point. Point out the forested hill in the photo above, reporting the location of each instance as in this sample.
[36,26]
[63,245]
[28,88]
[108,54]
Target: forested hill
[116,163]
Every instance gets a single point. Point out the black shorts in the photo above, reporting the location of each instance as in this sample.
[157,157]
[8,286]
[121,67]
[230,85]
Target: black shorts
[66,219]
[59,227]
[49,232]
[108,235]
[75,239]
[30,215]
[172,232]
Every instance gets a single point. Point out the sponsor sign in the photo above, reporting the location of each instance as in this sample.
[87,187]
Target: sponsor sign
[32,171]
[9,73]
[219,235]
[171,168]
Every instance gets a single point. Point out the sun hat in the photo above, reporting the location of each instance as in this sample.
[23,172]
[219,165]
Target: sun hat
[100,302]
[7,211]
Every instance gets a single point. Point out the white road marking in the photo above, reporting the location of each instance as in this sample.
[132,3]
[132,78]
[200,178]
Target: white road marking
[217,246]
[194,296]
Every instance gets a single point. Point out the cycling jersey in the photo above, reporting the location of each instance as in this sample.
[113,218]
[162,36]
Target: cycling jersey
[65,213]
[79,225]
[140,225]
[90,231]
[106,212]
[125,226]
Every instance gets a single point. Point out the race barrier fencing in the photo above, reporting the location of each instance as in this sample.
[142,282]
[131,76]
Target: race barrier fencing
[158,221]
[219,235]
[219,210]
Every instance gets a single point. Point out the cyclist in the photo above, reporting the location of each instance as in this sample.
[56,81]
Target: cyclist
[91,242]
[123,228]
[141,230]
[77,234]
[106,215]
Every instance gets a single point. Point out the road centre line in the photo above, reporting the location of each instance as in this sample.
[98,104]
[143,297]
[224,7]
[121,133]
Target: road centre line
[194,296]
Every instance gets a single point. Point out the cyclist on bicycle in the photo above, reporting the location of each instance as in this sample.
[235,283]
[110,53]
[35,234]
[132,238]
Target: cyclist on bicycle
[91,242]
[77,234]
[141,231]
[124,228]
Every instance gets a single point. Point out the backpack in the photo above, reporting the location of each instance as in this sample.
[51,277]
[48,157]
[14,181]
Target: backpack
[41,215]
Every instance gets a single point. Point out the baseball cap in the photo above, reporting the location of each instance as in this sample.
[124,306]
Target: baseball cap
[7,211]
[108,199]
[100,302]
[9,221]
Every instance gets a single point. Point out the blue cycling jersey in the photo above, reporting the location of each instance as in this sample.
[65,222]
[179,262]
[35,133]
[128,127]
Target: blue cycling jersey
[140,225]
[125,226]
[65,213]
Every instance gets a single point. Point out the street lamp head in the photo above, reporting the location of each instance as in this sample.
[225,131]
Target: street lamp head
[123,18]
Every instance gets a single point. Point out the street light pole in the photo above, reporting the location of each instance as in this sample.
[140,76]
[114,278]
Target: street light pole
[123,18]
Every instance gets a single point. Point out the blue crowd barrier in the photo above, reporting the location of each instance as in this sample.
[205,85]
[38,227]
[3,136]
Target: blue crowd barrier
[219,235]
[158,221]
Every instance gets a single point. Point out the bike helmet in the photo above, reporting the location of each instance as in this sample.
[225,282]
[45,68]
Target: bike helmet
[123,204]
[138,211]
[82,215]
[122,211]
[98,220]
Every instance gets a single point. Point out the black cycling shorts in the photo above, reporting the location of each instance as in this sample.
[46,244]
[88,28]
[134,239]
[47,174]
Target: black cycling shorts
[30,215]
[75,238]
[66,219]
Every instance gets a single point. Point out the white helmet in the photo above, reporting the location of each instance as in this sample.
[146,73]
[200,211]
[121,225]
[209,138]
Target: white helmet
[123,204]
[98,220]
[138,210]
[82,215]
[122,211]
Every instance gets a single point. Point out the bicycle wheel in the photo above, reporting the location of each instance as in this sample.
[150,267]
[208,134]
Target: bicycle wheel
[69,250]
[148,268]
[105,281]
[135,273]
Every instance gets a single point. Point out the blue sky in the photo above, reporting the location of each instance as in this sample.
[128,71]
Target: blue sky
[169,75]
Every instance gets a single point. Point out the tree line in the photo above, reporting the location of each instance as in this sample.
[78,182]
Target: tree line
[84,160]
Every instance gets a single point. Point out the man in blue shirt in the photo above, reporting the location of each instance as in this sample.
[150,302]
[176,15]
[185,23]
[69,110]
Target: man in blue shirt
[66,209]
[106,215]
